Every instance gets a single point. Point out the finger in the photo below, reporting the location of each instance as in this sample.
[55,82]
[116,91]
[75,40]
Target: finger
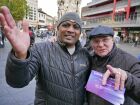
[117,74]
[123,78]
[8,33]
[117,80]
[2,20]
[25,26]
[6,29]
[105,77]
[111,69]
[8,17]
[122,83]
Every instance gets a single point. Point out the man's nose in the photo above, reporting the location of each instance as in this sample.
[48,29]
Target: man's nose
[100,43]
[71,29]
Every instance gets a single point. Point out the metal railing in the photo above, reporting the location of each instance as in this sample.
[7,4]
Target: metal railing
[120,21]
[96,2]
[108,7]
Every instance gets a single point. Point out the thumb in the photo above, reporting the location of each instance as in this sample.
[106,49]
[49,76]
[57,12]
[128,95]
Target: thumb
[25,26]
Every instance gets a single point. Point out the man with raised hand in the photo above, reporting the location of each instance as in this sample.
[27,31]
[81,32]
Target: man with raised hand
[61,68]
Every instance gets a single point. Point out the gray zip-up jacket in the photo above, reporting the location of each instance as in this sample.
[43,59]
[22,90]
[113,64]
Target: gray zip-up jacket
[119,59]
[60,77]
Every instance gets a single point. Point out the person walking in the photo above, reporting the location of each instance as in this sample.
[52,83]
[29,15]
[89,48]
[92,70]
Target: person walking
[136,41]
[32,36]
[61,68]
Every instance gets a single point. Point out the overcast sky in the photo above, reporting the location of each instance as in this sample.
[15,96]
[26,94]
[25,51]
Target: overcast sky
[50,6]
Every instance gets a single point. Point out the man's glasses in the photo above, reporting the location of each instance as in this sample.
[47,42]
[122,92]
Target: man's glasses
[99,40]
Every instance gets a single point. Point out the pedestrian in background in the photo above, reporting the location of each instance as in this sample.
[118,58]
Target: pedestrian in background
[136,41]
[116,39]
[61,68]
[83,38]
[116,63]
[32,36]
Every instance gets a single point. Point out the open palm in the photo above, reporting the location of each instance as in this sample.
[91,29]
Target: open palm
[20,41]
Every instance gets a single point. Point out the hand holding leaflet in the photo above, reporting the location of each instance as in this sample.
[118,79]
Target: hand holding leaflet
[107,92]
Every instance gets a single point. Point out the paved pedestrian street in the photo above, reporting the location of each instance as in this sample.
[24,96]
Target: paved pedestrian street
[9,95]
[25,96]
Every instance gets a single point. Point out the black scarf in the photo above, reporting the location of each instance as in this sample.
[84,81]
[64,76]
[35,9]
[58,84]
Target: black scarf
[99,63]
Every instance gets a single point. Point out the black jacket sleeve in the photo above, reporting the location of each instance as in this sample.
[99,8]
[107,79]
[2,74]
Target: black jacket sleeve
[133,82]
[20,72]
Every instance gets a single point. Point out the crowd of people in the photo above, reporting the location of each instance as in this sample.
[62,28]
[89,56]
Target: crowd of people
[62,68]
[132,38]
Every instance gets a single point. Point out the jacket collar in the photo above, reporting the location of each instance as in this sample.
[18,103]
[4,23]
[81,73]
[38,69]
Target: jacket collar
[103,61]
[78,46]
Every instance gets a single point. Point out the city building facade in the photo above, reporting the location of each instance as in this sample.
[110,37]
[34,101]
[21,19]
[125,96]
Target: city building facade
[45,20]
[122,15]
[32,15]
[68,6]
[50,21]
[42,22]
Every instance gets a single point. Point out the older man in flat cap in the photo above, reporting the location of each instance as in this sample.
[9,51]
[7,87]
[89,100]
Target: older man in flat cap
[114,62]
[61,67]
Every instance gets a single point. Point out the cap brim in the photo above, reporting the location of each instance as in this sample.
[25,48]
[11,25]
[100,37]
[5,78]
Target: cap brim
[99,35]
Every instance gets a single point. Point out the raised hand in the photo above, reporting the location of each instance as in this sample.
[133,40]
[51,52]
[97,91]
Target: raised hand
[20,41]
[120,77]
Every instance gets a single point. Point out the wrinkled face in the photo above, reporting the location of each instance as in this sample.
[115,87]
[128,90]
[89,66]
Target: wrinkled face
[102,45]
[69,32]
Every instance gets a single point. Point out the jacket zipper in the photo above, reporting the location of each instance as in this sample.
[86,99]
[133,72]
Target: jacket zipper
[73,79]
